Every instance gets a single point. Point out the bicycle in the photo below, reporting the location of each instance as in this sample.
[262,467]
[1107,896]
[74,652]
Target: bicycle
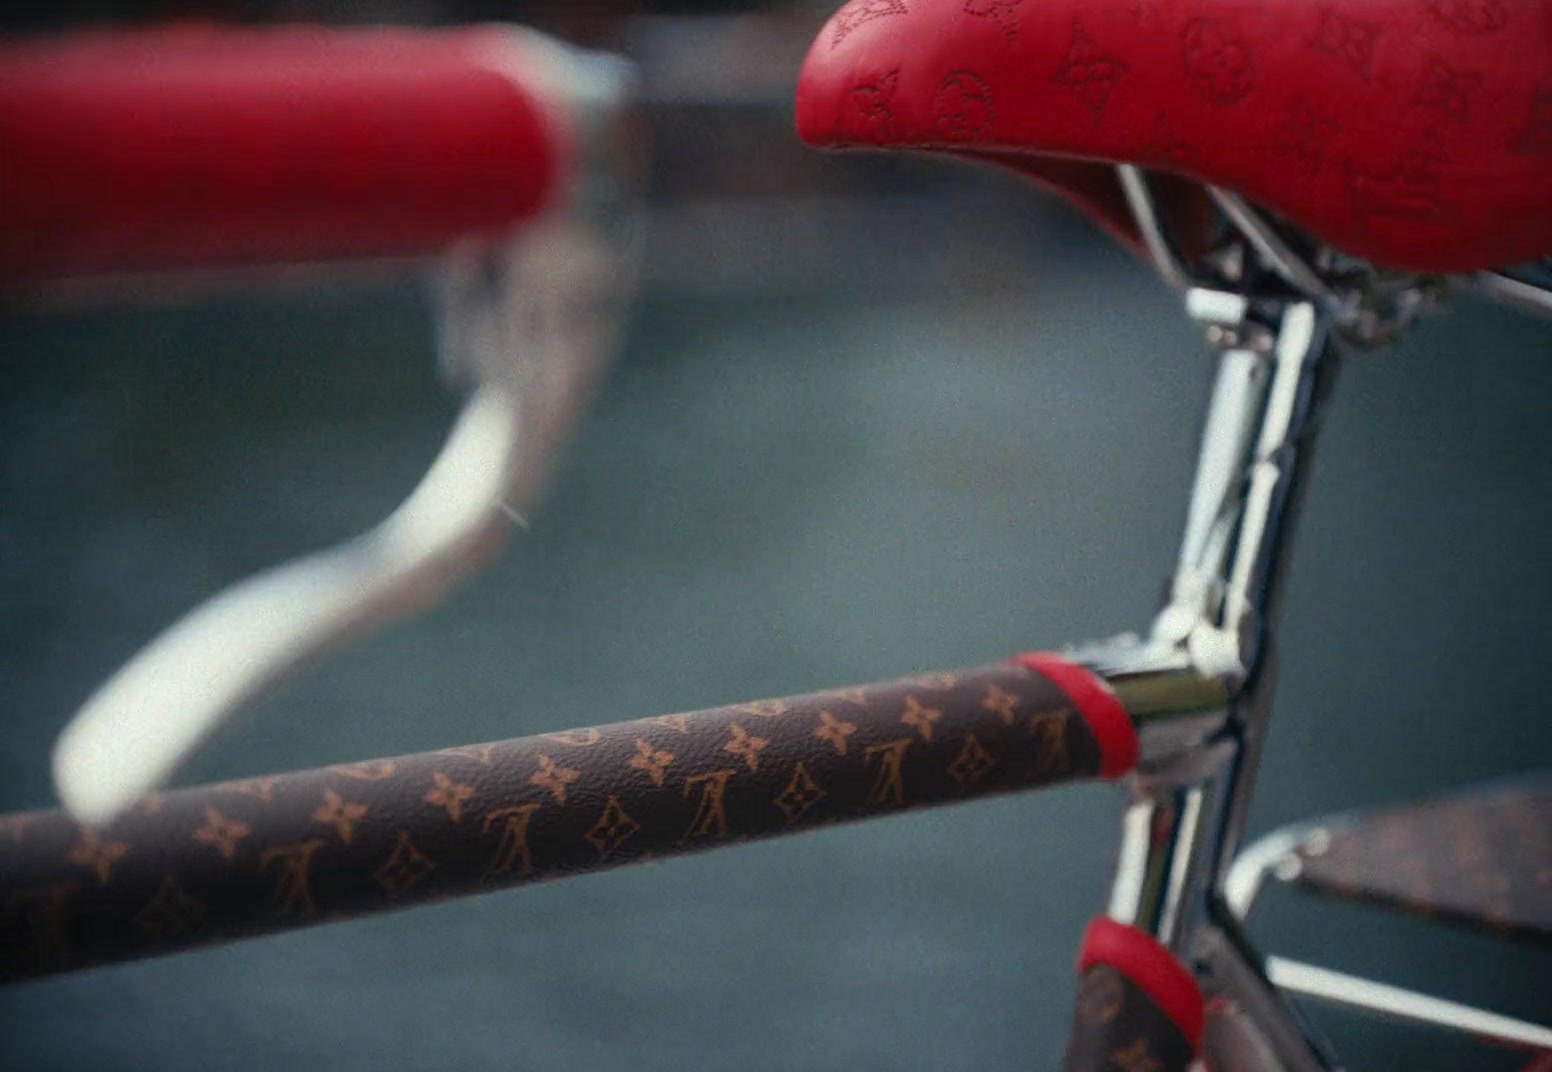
[1196,691]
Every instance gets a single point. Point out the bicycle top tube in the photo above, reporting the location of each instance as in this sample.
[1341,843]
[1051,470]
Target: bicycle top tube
[291,850]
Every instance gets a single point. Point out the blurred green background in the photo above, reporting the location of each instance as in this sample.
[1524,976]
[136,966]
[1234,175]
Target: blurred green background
[871,417]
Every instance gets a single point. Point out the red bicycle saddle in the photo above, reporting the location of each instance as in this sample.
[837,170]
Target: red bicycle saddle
[1416,134]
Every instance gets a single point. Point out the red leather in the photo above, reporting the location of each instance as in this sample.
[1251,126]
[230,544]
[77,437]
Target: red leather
[1414,133]
[195,146]
[1152,967]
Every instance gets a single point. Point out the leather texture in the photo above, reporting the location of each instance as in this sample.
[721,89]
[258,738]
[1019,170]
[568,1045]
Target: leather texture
[197,147]
[1233,1042]
[243,858]
[1118,1027]
[1481,859]
[1416,134]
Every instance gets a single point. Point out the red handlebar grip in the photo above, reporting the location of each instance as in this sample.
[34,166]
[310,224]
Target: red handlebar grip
[193,147]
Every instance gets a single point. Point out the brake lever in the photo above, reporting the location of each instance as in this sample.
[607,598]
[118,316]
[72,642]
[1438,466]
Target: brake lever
[526,324]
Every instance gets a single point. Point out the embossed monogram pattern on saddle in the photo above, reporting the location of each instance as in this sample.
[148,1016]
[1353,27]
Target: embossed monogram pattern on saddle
[243,858]
[1401,131]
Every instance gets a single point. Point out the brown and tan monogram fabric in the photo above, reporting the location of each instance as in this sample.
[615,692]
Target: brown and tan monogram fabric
[1118,1028]
[241,858]
[1481,859]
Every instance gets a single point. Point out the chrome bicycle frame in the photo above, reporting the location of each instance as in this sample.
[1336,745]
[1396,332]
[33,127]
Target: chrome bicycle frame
[1274,327]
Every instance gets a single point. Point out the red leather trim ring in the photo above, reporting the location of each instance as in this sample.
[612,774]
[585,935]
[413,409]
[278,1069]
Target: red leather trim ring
[1111,723]
[1150,966]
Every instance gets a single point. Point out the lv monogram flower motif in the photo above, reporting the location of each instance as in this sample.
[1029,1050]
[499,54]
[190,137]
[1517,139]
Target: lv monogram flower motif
[1218,62]
[99,855]
[745,746]
[858,12]
[650,761]
[919,718]
[1448,90]
[1350,40]
[404,868]
[972,764]
[1000,701]
[555,778]
[1091,74]
[802,793]
[449,794]
[963,107]
[613,829]
[222,833]
[873,101]
[340,813]
[835,731]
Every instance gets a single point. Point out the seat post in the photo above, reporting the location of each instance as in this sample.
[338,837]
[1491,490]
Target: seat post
[1275,369]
